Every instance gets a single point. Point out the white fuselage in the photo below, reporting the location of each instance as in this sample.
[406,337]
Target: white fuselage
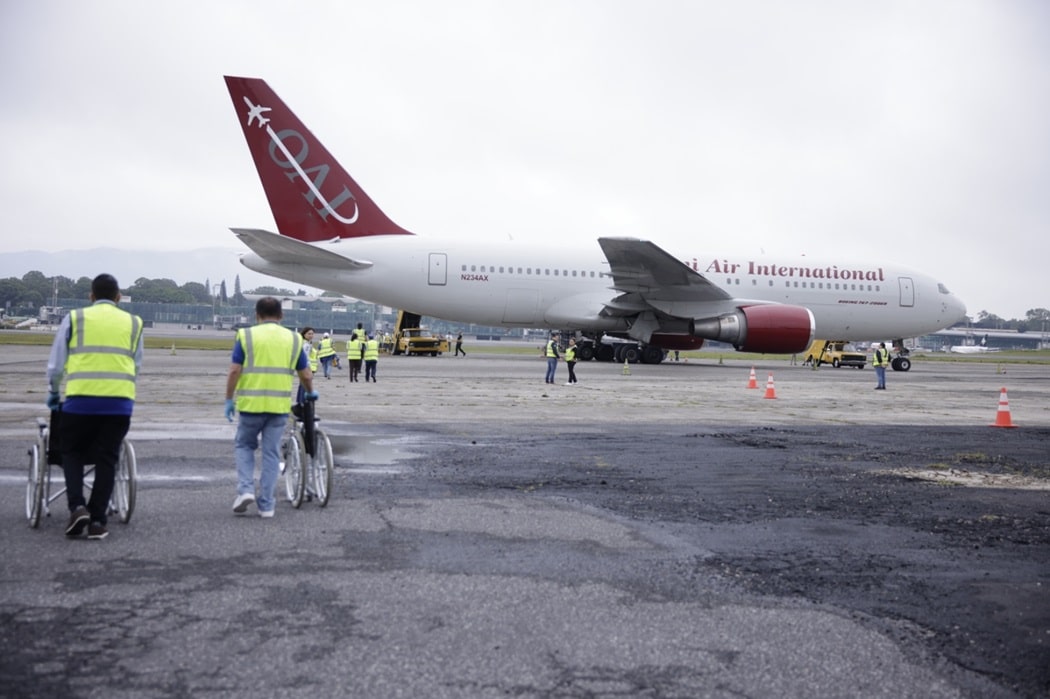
[515,284]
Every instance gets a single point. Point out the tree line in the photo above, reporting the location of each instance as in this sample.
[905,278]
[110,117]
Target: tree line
[26,295]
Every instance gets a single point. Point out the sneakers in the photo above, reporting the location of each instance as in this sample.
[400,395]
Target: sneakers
[97,531]
[78,519]
[266,514]
[240,505]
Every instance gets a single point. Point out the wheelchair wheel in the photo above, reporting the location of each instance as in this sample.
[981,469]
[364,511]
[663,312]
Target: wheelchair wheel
[124,484]
[35,486]
[322,467]
[292,453]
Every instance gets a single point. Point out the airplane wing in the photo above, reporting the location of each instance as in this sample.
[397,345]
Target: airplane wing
[280,249]
[648,277]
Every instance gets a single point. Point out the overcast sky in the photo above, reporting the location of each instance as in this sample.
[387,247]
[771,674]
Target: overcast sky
[914,132]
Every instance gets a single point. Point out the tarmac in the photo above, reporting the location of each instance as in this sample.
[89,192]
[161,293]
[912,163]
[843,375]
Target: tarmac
[655,530]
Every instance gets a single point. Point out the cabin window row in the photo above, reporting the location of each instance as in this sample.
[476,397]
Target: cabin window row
[546,272]
[839,286]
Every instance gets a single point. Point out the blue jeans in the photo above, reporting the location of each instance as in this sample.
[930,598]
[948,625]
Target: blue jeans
[880,377]
[249,427]
[552,365]
[326,365]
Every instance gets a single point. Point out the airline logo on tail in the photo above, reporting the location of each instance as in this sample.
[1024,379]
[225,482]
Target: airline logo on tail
[294,164]
[311,196]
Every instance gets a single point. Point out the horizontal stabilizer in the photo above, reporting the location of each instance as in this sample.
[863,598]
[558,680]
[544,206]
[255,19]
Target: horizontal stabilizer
[280,249]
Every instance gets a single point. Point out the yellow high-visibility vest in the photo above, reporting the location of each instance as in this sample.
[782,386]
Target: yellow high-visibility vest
[102,344]
[354,348]
[371,349]
[271,353]
[326,349]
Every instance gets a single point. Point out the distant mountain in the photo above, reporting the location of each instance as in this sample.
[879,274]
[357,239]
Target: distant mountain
[201,265]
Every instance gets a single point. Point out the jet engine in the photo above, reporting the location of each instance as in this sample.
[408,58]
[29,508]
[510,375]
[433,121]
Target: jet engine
[767,328]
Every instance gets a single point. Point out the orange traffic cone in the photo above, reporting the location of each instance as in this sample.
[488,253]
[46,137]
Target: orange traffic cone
[771,391]
[1002,418]
[752,383]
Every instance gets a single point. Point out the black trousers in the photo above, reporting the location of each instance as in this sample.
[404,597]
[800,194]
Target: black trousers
[572,371]
[87,440]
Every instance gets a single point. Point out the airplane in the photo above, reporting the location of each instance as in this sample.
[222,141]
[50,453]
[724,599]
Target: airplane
[331,235]
[973,349]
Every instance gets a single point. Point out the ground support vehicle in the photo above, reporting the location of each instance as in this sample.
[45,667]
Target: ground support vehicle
[306,459]
[837,353]
[44,453]
[409,338]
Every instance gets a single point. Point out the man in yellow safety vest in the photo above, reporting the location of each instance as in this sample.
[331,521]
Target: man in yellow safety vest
[371,358]
[326,355]
[265,359]
[355,349]
[880,361]
[98,350]
[552,355]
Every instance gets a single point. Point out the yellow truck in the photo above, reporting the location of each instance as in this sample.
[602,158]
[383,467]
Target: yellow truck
[410,339]
[837,353]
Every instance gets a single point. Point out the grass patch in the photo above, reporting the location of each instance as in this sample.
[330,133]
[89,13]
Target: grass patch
[21,337]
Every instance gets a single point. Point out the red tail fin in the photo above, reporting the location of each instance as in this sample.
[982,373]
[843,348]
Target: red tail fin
[311,196]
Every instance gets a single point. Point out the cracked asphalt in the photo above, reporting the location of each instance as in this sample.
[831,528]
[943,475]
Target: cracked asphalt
[666,533]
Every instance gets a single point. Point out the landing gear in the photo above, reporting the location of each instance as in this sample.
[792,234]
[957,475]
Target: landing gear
[619,352]
[651,354]
[627,352]
[901,361]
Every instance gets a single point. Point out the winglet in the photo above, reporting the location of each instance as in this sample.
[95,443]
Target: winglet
[311,196]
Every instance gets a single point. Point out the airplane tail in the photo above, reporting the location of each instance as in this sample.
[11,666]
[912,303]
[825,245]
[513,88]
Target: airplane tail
[311,196]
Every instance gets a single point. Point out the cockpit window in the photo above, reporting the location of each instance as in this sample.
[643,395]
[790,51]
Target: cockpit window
[942,288]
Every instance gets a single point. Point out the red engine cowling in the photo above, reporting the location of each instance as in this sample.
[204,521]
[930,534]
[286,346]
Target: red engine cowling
[767,328]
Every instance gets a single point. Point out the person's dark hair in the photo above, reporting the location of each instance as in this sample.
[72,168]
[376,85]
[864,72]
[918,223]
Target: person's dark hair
[268,307]
[305,330]
[105,286]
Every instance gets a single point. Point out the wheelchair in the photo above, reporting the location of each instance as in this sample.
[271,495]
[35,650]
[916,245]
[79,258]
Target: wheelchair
[44,453]
[306,458]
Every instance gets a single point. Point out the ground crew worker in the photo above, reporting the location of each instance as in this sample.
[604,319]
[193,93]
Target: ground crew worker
[552,357]
[355,350]
[311,357]
[371,358]
[570,361]
[98,350]
[880,361]
[326,354]
[265,359]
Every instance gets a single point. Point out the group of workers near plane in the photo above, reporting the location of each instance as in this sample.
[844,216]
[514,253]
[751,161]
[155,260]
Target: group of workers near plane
[361,348]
